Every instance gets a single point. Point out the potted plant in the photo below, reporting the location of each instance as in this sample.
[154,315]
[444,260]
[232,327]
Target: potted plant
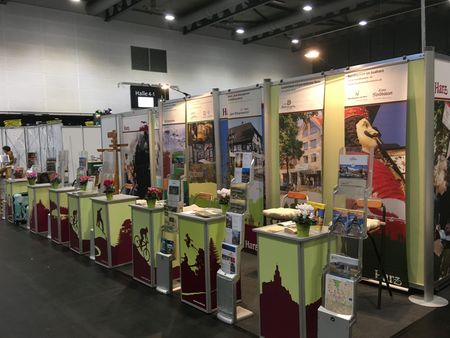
[83,180]
[153,194]
[109,189]
[223,195]
[56,181]
[305,219]
[31,177]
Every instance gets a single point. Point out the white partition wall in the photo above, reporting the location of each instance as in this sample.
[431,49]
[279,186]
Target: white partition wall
[15,138]
[77,139]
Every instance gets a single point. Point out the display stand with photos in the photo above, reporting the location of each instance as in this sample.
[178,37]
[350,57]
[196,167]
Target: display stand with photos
[347,232]
[228,276]
[167,258]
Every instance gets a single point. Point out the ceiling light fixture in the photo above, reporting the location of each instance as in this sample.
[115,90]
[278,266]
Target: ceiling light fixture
[169,17]
[312,54]
[75,0]
[362,23]
[307,8]
[240,31]
[295,41]
[164,86]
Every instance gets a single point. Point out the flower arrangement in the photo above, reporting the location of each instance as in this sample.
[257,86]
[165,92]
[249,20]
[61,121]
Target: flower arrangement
[83,179]
[109,186]
[153,193]
[305,215]
[56,180]
[223,195]
[31,175]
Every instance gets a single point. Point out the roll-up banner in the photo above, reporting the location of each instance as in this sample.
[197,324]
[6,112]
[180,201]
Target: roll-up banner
[375,117]
[241,130]
[174,138]
[135,156]
[441,223]
[301,135]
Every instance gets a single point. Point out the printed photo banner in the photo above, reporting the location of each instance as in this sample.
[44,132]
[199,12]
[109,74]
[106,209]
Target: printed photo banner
[200,109]
[301,96]
[441,224]
[376,85]
[301,135]
[375,118]
[173,138]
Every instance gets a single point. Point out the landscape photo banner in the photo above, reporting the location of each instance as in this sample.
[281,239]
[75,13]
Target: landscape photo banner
[375,119]
[300,96]
[376,85]
[300,111]
[441,224]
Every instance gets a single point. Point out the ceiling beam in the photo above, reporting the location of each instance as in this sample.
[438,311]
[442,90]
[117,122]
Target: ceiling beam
[223,15]
[119,8]
[321,14]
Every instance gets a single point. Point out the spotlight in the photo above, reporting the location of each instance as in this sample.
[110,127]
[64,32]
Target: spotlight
[164,86]
[307,8]
[240,31]
[362,23]
[312,54]
[75,0]
[295,41]
[169,17]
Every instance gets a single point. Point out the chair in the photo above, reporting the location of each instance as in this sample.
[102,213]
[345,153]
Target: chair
[203,199]
[377,204]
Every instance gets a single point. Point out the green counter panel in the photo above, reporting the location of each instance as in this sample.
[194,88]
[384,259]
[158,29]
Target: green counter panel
[38,201]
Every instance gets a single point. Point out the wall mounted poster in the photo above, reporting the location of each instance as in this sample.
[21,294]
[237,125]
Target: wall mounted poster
[301,127]
[201,144]
[135,156]
[375,117]
[173,138]
[441,170]
[241,130]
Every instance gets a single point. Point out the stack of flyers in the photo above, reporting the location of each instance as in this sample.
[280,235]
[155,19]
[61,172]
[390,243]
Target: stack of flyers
[339,224]
[355,223]
[319,211]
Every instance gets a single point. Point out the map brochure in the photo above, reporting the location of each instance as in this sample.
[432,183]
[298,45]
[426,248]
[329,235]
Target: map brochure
[339,294]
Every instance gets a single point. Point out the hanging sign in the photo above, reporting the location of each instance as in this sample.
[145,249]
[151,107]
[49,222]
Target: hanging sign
[241,104]
[174,112]
[376,85]
[200,109]
[300,96]
[146,96]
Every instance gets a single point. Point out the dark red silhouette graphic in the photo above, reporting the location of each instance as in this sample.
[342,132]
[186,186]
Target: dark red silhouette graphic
[64,214]
[53,221]
[39,223]
[279,313]
[122,252]
[99,221]
[73,231]
[194,275]
[141,268]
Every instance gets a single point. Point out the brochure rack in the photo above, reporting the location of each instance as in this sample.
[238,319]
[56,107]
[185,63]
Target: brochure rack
[228,275]
[348,229]
[169,234]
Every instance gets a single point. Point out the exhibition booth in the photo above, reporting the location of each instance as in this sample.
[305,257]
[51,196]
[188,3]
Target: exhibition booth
[308,185]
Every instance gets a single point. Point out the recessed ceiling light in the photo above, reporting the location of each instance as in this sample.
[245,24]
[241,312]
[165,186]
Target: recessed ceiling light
[312,54]
[240,31]
[295,41]
[75,0]
[307,8]
[169,17]
[362,23]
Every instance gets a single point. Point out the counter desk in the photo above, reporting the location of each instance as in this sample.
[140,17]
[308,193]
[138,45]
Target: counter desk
[59,214]
[38,208]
